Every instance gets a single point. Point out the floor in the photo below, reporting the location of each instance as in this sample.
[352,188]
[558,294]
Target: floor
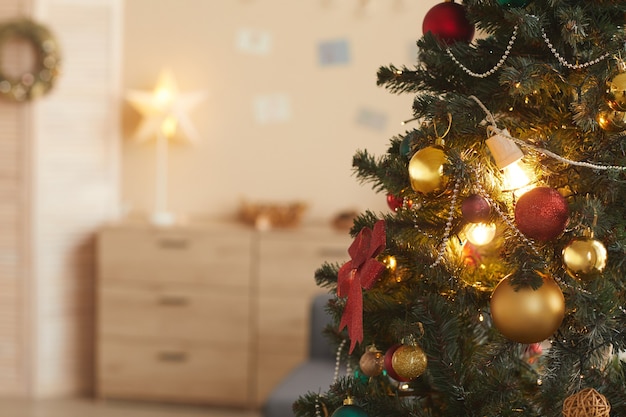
[91,408]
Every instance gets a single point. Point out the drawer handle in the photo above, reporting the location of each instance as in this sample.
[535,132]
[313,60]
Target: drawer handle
[172,356]
[173,301]
[173,243]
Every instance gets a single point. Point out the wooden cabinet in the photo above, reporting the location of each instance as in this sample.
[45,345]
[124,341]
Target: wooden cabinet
[214,315]
[174,315]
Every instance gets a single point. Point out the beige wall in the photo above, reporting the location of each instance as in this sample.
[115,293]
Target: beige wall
[308,157]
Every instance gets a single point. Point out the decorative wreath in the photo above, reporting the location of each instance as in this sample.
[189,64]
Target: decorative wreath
[46,69]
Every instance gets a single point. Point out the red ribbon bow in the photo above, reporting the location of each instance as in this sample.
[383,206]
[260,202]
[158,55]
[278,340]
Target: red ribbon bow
[360,273]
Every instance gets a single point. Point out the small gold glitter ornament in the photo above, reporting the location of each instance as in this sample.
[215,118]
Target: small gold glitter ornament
[584,257]
[527,315]
[372,362]
[586,403]
[426,169]
[616,88]
[409,361]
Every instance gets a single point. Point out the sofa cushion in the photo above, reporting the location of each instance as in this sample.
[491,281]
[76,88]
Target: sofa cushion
[315,375]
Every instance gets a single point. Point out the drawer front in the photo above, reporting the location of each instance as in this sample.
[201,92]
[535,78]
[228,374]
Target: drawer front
[170,372]
[223,260]
[288,265]
[283,325]
[185,312]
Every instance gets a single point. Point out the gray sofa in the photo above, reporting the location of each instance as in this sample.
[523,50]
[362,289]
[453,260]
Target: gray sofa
[314,375]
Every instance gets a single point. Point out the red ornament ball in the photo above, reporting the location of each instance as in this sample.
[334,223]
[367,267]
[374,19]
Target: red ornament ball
[475,209]
[448,22]
[395,203]
[388,364]
[541,214]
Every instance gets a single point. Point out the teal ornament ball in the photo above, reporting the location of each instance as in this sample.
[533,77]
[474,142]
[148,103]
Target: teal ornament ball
[360,377]
[350,410]
[513,3]
[405,146]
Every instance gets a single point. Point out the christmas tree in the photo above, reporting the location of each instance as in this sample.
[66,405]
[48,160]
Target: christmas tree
[496,283]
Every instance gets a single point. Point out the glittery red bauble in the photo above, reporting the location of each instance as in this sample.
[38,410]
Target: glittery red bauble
[448,23]
[541,214]
[475,209]
[395,203]
[388,363]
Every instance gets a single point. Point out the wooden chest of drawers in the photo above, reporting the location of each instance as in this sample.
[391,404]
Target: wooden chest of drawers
[214,315]
[174,315]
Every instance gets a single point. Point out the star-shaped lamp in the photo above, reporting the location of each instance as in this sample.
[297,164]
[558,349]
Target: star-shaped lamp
[164,110]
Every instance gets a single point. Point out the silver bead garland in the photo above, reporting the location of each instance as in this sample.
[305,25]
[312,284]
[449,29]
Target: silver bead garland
[501,62]
[507,52]
[318,413]
[448,229]
[564,62]
[338,361]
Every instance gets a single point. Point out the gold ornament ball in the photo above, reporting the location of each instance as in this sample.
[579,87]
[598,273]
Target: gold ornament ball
[426,169]
[612,121]
[586,403]
[409,361]
[584,257]
[527,315]
[371,363]
[616,92]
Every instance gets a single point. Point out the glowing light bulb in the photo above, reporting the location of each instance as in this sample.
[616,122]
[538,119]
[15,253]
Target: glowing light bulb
[168,127]
[507,156]
[163,96]
[480,234]
[390,262]
[515,177]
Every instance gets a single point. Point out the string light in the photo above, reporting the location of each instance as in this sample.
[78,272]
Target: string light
[545,152]
[507,156]
[480,234]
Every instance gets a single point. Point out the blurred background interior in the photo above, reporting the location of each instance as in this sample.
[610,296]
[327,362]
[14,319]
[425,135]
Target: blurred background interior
[158,247]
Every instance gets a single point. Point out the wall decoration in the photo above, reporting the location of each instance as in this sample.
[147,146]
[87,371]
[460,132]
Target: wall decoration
[371,119]
[272,108]
[41,78]
[336,52]
[254,41]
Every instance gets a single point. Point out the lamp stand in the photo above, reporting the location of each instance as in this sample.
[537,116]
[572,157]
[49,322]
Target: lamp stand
[161,216]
